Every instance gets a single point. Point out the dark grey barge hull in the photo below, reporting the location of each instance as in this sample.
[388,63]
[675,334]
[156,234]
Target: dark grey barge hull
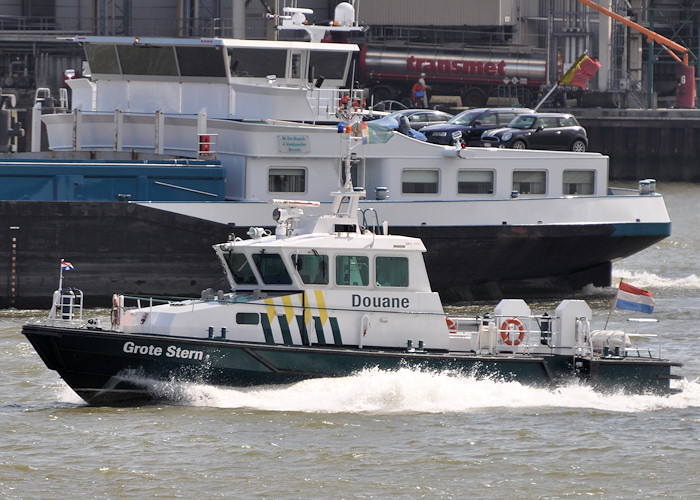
[131,248]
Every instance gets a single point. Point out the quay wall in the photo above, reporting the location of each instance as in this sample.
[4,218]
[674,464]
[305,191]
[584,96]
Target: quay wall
[663,144]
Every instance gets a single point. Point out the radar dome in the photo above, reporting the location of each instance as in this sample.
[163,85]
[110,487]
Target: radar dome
[344,14]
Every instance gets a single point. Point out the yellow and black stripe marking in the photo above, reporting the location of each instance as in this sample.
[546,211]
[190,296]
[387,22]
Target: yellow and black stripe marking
[299,319]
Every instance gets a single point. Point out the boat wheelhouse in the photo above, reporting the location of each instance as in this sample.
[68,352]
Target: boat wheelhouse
[231,79]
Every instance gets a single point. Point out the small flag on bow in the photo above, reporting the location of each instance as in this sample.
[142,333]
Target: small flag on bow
[66,266]
[634,299]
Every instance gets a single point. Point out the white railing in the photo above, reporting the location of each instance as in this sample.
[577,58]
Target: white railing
[335,104]
[67,308]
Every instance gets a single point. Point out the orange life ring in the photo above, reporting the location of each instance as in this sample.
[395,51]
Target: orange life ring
[115,310]
[451,324]
[509,325]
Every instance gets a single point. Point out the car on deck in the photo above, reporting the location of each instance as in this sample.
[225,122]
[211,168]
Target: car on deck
[539,131]
[419,118]
[471,123]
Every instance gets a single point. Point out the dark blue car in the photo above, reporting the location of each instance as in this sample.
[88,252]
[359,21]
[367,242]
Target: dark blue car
[471,123]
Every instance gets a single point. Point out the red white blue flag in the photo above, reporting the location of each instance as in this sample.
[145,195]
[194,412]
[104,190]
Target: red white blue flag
[633,298]
[66,266]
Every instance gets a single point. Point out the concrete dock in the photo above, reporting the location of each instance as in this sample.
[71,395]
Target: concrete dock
[663,144]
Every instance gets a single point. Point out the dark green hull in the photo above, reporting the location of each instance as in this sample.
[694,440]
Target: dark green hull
[108,368]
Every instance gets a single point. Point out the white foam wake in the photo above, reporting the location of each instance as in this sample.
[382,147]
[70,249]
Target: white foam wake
[410,391]
[646,279]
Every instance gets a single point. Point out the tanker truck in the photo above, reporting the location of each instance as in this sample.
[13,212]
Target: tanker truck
[472,73]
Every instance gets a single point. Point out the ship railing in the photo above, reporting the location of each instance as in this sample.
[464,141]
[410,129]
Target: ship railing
[640,352]
[335,104]
[207,146]
[644,351]
[67,308]
[522,334]
[123,302]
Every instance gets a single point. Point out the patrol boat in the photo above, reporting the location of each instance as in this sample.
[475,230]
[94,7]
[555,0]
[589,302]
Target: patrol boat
[325,296]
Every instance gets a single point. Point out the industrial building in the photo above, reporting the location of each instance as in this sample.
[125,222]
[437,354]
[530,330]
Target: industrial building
[34,52]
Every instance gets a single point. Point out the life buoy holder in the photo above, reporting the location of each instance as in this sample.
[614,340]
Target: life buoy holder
[451,324]
[115,310]
[355,103]
[512,325]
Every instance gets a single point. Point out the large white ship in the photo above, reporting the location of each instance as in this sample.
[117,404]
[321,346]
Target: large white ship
[275,114]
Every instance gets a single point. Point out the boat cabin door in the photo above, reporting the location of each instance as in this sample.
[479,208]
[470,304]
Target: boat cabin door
[297,67]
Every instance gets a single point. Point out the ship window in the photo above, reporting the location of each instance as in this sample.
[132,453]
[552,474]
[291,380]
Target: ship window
[329,65]
[419,181]
[530,181]
[102,59]
[579,182]
[271,268]
[296,66]
[312,268]
[240,269]
[200,61]
[392,271]
[475,181]
[139,60]
[248,318]
[352,270]
[258,62]
[287,180]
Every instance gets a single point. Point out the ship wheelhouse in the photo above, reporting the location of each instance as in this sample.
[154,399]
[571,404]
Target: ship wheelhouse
[182,76]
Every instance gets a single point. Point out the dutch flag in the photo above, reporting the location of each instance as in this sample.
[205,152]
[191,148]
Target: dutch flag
[66,266]
[634,299]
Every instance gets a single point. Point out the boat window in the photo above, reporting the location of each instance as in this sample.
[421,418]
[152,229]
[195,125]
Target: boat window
[351,270]
[530,181]
[287,180]
[248,318]
[200,61]
[295,70]
[392,271]
[240,269]
[312,268]
[475,181]
[258,62]
[140,60]
[579,182]
[271,268]
[102,58]
[329,65]
[419,181]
